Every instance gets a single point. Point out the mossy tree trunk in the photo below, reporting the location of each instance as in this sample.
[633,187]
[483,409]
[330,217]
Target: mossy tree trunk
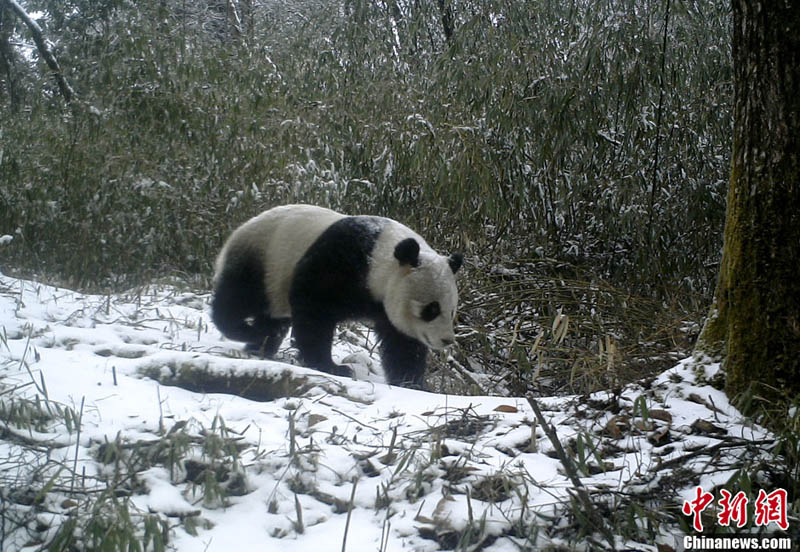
[754,324]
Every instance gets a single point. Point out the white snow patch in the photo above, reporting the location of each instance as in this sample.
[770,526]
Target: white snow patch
[411,455]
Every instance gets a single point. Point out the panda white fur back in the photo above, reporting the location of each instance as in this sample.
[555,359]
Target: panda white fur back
[312,267]
[281,236]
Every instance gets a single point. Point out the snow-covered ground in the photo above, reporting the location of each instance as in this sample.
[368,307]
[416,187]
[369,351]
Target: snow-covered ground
[313,462]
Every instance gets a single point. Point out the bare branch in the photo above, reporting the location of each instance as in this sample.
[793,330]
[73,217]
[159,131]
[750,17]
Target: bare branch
[44,48]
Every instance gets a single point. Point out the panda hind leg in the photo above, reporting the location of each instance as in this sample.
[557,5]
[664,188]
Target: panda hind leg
[273,331]
[240,307]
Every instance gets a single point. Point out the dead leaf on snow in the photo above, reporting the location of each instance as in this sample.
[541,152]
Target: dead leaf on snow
[616,426]
[707,428]
[662,415]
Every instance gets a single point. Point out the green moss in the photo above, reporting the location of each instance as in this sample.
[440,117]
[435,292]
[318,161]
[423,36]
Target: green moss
[711,341]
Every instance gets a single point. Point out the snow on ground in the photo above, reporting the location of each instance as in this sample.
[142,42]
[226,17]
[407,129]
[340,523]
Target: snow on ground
[324,458]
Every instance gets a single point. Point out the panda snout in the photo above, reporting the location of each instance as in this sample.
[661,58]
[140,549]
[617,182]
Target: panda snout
[437,343]
[441,343]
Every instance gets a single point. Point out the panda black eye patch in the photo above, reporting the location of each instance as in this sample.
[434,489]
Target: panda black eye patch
[430,311]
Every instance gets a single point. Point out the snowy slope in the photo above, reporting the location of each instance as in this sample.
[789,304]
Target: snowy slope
[389,468]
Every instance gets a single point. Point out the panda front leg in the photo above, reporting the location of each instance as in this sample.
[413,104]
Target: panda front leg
[313,337]
[403,357]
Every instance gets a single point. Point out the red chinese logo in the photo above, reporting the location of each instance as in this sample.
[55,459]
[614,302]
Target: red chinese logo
[771,507]
[696,507]
[733,510]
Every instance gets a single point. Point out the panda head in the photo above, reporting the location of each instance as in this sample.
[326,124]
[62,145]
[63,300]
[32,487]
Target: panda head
[422,300]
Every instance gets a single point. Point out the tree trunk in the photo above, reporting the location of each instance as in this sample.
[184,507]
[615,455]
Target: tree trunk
[7,60]
[754,324]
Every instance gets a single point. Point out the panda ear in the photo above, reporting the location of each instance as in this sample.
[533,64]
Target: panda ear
[407,252]
[455,261]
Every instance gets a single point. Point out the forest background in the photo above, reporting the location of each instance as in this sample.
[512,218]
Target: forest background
[577,152]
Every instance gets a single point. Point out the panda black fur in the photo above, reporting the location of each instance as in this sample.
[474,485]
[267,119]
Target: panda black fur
[311,268]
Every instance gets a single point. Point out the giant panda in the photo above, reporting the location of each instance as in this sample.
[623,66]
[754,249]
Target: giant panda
[311,268]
